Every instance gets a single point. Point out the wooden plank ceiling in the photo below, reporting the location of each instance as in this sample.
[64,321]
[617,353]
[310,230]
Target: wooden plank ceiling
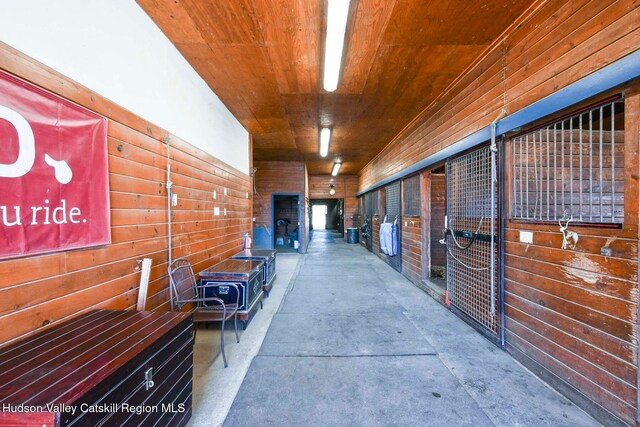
[263,58]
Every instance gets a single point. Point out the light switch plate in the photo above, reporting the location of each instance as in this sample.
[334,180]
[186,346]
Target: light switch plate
[526,236]
[216,211]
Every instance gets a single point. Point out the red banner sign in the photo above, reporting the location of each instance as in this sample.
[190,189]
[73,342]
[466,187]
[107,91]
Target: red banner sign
[54,183]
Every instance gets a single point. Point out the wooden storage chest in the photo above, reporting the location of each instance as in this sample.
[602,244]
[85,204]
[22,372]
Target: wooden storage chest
[109,368]
[246,275]
[268,256]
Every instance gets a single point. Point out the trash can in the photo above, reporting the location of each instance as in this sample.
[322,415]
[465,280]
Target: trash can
[352,235]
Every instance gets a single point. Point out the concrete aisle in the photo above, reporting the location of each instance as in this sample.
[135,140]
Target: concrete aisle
[354,343]
[214,386]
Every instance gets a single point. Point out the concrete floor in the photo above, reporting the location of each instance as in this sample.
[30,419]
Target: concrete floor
[214,387]
[354,343]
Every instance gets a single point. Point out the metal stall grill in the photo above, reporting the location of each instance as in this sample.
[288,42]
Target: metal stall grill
[393,212]
[471,220]
[411,191]
[368,221]
[572,168]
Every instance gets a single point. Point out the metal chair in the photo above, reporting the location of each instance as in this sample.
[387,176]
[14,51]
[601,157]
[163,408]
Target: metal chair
[184,290]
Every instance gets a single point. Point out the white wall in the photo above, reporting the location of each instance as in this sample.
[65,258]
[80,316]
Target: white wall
[113,48]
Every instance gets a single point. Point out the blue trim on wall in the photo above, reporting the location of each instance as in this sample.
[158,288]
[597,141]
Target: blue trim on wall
[615,74]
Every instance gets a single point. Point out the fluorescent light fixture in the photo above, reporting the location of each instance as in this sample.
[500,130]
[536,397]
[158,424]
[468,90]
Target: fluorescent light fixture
[336,28]
[325,137]
[336,168]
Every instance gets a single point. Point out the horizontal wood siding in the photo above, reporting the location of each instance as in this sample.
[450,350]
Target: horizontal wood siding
[574,313]
[412,248]
[346,187]
[307,211]
[278,178]
[375,229]
[558,43]
[37,292]
[350,202]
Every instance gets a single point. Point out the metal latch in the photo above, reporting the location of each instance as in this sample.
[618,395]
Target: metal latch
[148,379]
[223,290]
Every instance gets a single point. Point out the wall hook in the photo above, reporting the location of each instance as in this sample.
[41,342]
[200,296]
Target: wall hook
[569,238]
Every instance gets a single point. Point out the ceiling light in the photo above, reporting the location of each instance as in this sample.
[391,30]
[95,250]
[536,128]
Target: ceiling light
[334,44]
[325,137]
[336,168]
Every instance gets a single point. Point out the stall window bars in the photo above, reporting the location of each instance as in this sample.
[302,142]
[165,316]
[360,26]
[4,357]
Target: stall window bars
[411,193]
[393,200]
[572,168]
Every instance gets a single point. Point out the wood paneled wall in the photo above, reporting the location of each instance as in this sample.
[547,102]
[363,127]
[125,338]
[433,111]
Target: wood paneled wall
[556,44]
[575,311]
[307,211]
[572,315]
[375,229]
[36,292]
[279,178]
[275,177]
[351,202]
[346,187]
[412,248]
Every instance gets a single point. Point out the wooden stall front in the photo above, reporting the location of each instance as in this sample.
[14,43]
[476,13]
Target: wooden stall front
[571,316]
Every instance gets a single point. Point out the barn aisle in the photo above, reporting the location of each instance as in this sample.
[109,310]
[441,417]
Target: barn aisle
[355,343]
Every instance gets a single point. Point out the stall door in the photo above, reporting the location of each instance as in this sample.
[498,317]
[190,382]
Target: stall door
[393,213]
[367,233]
[471,252]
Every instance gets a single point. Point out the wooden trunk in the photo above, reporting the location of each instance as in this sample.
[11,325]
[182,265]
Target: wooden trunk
[102,368]
[268,256]
[247,275]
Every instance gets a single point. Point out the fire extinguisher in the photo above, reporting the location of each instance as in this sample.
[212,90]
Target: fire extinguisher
[246,241]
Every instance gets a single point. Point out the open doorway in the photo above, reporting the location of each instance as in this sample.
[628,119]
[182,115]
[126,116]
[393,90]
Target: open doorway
[326,219]
[326,214]
[286,222]
[319,217]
